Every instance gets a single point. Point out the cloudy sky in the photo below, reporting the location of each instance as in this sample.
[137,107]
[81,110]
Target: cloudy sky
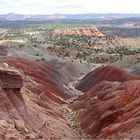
[69,6]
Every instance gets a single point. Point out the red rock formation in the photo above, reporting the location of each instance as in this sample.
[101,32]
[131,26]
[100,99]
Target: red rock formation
[104,73]
[32,94]
[10,79]
[35,110]
[110,107]
[80,32]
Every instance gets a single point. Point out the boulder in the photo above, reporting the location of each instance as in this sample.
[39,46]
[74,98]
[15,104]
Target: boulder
[10,79]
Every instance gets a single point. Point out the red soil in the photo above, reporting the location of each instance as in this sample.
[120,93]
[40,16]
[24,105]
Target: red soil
[104,73]
[31,98]
[80,32]
[32,94]
[110,107]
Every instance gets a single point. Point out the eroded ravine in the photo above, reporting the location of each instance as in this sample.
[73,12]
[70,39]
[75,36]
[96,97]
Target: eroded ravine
[70,115]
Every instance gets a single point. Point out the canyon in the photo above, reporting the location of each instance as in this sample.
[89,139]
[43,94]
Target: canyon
[36,99]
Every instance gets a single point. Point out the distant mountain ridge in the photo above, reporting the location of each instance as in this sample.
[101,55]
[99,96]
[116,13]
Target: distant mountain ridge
[14,16]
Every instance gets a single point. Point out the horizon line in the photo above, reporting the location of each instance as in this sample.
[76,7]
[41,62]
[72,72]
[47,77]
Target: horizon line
[73,14]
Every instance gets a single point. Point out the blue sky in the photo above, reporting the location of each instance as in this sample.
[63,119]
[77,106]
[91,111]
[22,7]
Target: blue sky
[69,6]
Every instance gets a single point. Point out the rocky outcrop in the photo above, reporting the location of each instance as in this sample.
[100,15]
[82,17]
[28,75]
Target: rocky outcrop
[109,108]
[10,79]
[10,93]
[31,106]
[79,31]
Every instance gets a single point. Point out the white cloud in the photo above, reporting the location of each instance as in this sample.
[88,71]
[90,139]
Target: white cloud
[69,6]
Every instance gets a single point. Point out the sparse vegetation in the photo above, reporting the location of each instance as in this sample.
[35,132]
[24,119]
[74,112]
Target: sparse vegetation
[23,132]
[73,122]
[41,37]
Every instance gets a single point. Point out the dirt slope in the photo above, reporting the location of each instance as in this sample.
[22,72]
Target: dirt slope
[109,108]
[31,97]
[104,73]
[36,106]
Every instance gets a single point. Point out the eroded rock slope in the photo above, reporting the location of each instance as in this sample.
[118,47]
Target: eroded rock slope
[31,99]
[110,106]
